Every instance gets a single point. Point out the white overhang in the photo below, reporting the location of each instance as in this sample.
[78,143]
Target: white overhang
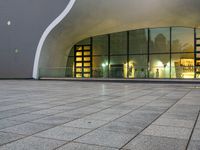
[86,18]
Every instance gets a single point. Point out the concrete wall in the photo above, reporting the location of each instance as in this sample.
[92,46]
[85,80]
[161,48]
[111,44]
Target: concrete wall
[19,41]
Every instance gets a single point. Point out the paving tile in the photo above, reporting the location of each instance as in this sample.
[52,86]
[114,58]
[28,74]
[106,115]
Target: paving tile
[175,122]
[126,107]
[163,104]
[115,111]
[194,145]
[6,103]
[27,128]
[196,135]
[26,117]
[33,143]
[17,111]
[47,112]
[143,142]
[79,146]
[10,107]
[8,137]
[158,109]
[104,116]
[63,108]
[181,116]
[96,104]
[136,120]
[144,115]
[54,120]
[105,138]
[198,123]
[63,133]
[105,104]
[183,108]
[122,127]
[73,114]
[4,123]
[87,110]
[167,131]
[86,123]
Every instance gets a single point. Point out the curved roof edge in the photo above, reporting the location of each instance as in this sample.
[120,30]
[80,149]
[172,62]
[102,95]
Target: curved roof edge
[46,33]
[95,17]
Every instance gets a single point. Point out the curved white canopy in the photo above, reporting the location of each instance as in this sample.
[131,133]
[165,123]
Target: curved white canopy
[86,18]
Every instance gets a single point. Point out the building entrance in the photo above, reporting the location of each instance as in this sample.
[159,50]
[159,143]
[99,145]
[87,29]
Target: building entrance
[83,61]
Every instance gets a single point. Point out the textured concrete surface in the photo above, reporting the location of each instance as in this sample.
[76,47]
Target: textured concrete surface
[44,115]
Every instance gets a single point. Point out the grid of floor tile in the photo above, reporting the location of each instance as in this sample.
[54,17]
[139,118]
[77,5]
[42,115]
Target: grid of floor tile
[45,115]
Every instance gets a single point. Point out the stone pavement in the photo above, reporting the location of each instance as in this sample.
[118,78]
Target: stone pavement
[48,115]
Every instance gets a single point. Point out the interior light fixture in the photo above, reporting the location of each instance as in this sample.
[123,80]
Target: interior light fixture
[104,64]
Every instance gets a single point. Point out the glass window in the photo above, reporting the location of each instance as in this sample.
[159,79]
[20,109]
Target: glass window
[86,64]
[78,58]
[86,75]
[160,40]
[71,53]
[198,42]
[86,48]
[84,42]
[78,64]
[70,67]
[79,70]
[87,59]
[198,39]
[198,32]
[198,56]
[78,53]
[138,41]
[100,45]
[198,49]
[159,66]
[182,39]
[118,67]
[118,43]
[78,75]
[182,65]
[79,48]
[138,66]
[100,66]
[87,53]
[86,70]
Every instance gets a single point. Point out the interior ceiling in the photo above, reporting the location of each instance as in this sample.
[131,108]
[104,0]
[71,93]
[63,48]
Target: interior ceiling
[95,17]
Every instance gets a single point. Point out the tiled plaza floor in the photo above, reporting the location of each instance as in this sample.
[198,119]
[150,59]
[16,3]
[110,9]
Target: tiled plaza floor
[48,115]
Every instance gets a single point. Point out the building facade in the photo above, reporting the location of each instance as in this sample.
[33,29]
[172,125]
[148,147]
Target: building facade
[169,52]
[118,39]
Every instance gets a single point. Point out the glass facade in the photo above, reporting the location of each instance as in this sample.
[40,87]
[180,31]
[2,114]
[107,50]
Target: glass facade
[138,41]
[159,66]
[182,40]
[171,52]
[182,65]
[118,43]
[160,40]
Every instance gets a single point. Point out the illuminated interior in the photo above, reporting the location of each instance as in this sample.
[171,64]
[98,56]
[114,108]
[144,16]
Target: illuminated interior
[144,53]
[82,61]
[184,68]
